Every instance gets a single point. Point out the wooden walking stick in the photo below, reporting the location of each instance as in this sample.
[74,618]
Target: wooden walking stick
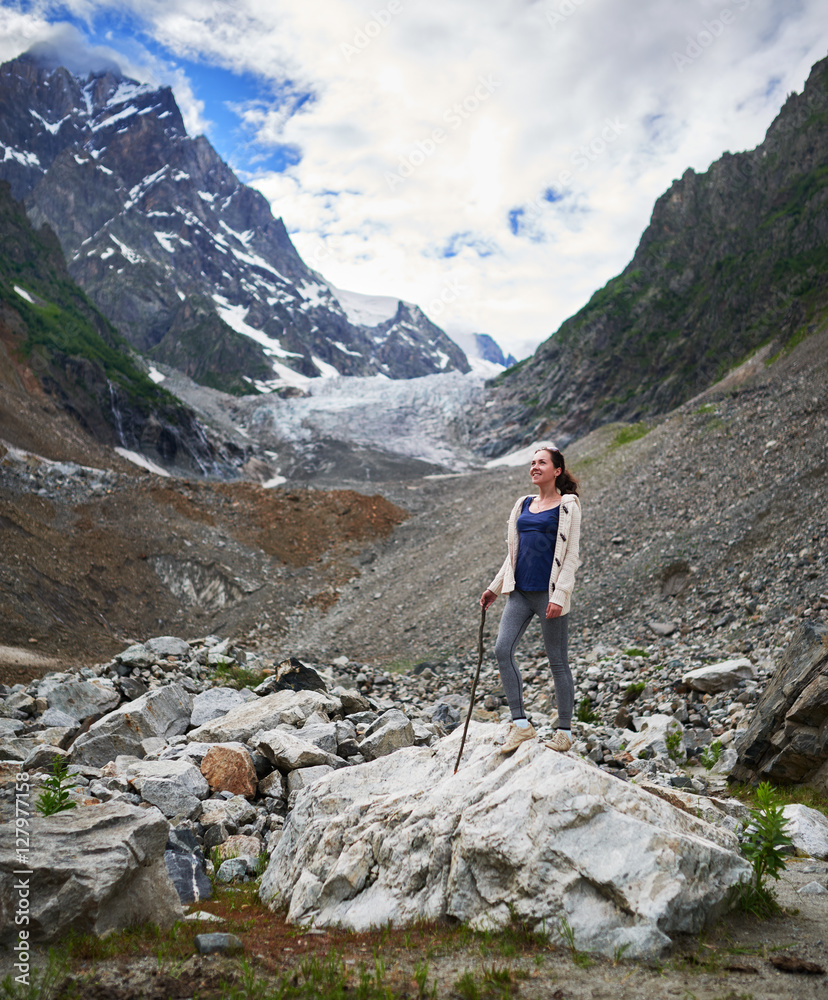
[474,685]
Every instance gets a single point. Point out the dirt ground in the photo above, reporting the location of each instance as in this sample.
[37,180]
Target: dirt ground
[733,960]
[83,573]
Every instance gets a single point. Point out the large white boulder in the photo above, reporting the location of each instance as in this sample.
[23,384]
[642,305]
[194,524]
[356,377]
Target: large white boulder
[537,835]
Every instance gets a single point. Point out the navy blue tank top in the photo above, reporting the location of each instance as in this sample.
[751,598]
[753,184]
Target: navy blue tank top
[537,534]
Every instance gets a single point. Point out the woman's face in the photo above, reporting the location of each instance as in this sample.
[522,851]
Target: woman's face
[542,470]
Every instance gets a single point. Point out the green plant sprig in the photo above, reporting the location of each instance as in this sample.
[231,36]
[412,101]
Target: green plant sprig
[54,797]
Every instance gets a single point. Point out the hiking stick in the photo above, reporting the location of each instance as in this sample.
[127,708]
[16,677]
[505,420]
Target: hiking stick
[474,685]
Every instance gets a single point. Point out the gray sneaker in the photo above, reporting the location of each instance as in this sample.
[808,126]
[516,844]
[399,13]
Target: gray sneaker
[517,735]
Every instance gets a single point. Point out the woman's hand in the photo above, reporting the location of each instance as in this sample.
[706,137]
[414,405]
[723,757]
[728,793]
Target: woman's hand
[488,599]
[553,610]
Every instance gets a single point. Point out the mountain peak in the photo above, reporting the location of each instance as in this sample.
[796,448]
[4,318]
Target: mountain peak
[186,261]
[80,62]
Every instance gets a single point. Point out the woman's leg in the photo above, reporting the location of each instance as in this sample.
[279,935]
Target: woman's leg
[516,616]
[555,636]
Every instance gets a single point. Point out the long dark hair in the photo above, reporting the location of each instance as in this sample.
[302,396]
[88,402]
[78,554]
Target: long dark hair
[565,483]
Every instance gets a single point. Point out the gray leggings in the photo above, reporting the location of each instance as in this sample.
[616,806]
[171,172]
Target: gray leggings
[520,606]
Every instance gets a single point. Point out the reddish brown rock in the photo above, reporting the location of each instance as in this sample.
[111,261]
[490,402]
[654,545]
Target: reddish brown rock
[229,768]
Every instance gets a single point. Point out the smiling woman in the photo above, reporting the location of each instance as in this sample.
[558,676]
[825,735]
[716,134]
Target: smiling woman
[538,574]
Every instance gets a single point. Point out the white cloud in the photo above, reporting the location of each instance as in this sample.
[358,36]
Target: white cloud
[484,108]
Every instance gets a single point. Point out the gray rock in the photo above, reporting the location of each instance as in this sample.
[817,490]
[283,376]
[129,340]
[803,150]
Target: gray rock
[808,830]
[41,758]
[214,703]
[662,628]
[232,869]
[290,707]
[725,763]
[163,712]
[8,727]
[137,656]
[652,733]
[98,868]
[292,675]
[168,645]
[390,732]
[187,876]
[225,944]
[80,699]
[273,786]
[170,798]
[132,688]
[20,702]
[813,889]
[719,676]
[783,742]
[215,834]
[405,839]
[289,752]
[302,778]
[58,718]
[233,812]
[181,772]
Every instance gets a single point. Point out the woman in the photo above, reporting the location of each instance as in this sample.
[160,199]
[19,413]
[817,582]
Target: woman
[538,574]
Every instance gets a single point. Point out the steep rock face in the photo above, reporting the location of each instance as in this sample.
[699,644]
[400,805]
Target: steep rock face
[57,335]
[490,350]
[732,259]
[174,250]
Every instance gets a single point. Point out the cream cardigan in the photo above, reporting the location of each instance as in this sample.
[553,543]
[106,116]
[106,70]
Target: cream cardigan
[564,561]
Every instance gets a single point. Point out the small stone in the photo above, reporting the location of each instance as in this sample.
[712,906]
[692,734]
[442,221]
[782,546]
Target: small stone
[719,676]
[203,915]
[136,656]
[168,645]
[226,944]
[240,846]
[232,869]
[813,889]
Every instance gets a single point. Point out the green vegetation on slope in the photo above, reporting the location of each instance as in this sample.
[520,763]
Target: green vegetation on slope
[66,339]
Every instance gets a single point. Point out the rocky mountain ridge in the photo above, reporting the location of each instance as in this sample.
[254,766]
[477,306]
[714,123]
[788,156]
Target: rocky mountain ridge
[60,358]
[733,259]
[187,262]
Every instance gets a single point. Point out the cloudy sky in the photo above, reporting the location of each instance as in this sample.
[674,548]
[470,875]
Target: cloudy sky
[494,162]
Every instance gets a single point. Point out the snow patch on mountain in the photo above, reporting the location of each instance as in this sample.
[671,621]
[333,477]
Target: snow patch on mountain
[420,418]
[365,310]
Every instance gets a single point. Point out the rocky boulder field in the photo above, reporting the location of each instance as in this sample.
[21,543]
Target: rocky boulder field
[313,758]
[193,763]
